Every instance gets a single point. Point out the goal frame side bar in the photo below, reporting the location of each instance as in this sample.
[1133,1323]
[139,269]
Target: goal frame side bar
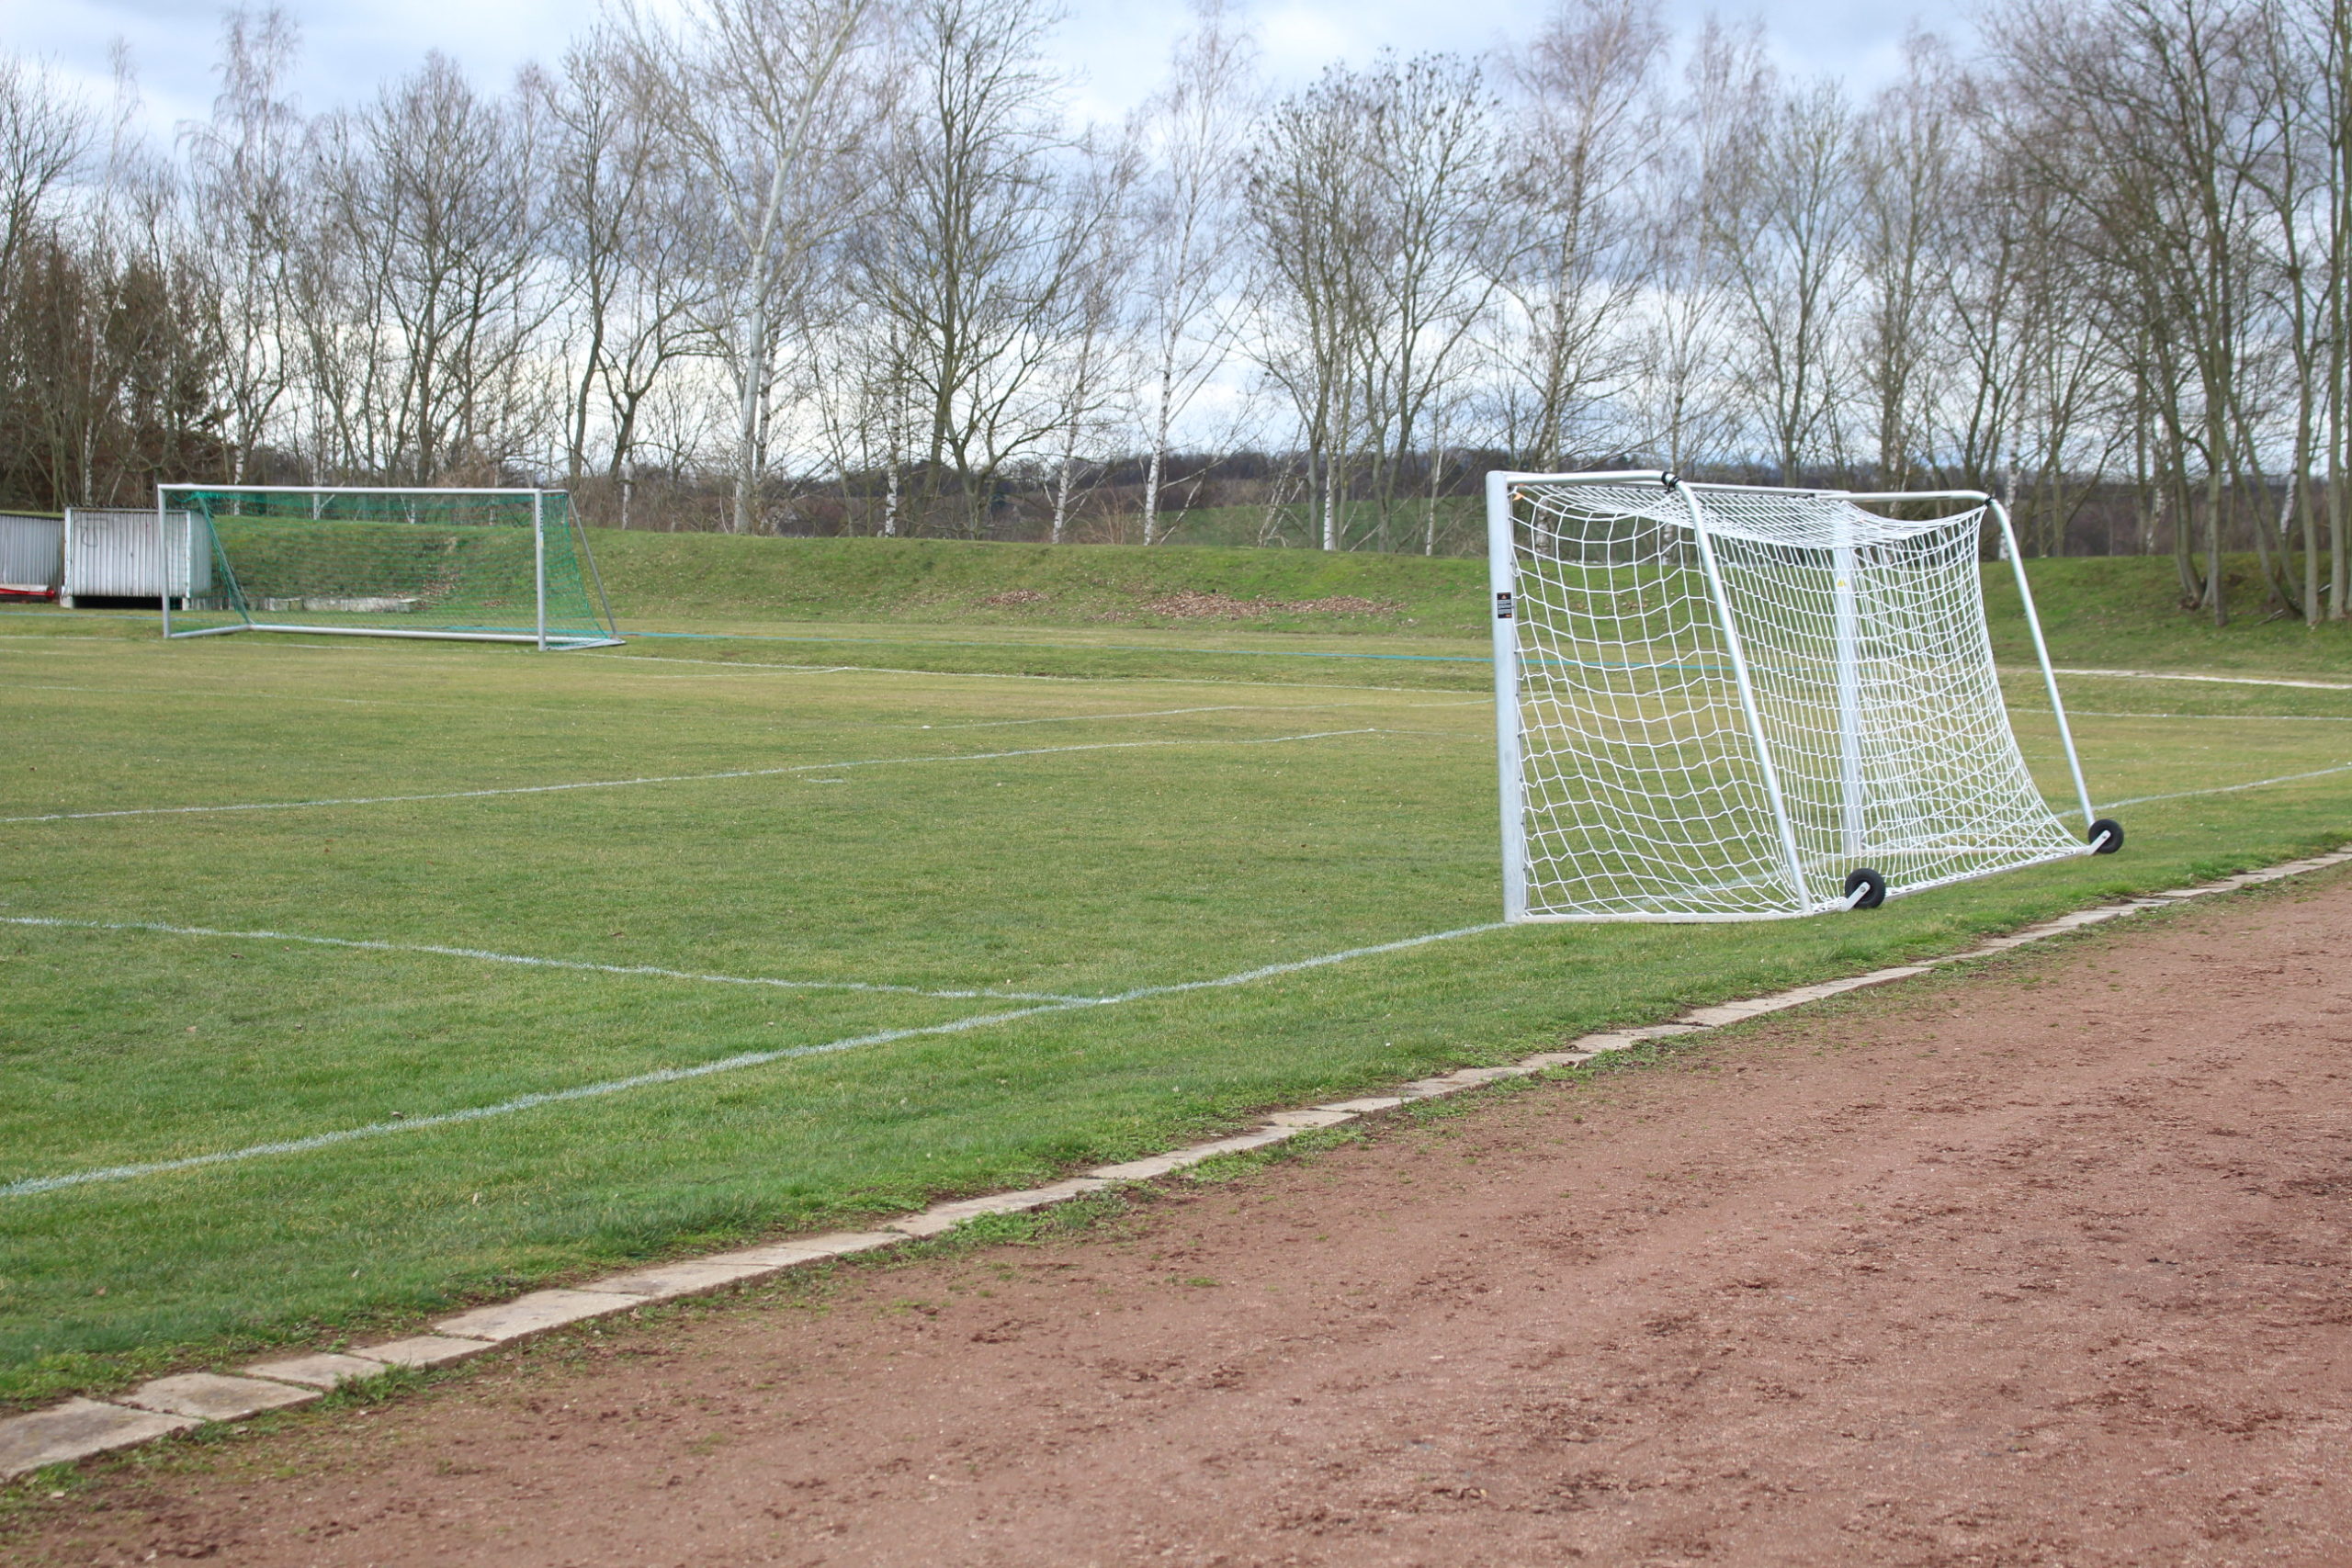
[536,637]
[2041,654]
[1502,576]
[1502,579]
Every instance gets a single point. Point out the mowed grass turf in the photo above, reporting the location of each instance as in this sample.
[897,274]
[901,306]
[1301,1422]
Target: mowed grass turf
[1047,838]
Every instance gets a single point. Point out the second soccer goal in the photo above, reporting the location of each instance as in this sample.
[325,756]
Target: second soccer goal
[1727,701]
[466,565]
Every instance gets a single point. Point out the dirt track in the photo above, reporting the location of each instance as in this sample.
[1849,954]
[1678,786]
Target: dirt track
[2044,1265]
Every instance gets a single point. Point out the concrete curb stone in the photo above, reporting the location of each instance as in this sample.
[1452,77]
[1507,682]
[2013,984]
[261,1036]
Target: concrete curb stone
[687,1277]
[535,1314]
[77,1429]
[813,1248]
[210,1396]
[323,1371]
[425,1350]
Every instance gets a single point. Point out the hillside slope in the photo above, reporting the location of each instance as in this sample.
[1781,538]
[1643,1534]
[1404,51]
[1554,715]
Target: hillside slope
[2119,611]
[707,577]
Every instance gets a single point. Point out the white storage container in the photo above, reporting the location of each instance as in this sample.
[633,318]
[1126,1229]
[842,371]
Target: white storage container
[123,555]
[32,555]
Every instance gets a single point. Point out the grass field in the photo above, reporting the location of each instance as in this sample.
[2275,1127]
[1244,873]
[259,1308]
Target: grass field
[823,918]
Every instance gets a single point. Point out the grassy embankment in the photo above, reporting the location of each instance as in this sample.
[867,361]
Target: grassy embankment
[2112,612]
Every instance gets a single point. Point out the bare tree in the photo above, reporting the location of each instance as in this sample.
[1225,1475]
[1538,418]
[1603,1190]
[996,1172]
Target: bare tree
[45,135]
[1310,225]
[1099,333]
[1905,227]
[1687,402]
[1372,197]
[2334,90]
[2143,111]
[1585,130]
[106,376]
[771,100]
[631,229]
[2301,251]
[247,167]
[1783,228]
[1186,282]
[1435,180]
[974,263]
[436,201]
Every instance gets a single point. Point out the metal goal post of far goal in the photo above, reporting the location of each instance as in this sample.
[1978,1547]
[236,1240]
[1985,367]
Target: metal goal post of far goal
[1737,703]
[447,564]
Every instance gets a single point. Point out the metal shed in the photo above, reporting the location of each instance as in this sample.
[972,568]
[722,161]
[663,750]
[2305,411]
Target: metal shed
[33,556]
[132,555]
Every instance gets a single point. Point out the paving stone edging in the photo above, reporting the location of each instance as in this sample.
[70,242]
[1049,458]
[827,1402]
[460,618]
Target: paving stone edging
[78,1428]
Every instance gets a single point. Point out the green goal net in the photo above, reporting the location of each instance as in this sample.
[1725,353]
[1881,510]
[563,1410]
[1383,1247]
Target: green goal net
[474,564]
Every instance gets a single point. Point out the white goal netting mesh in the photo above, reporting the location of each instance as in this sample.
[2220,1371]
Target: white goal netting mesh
[1646,790]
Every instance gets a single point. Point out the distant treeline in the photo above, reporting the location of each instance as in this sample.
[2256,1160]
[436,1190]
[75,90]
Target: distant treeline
[811,266]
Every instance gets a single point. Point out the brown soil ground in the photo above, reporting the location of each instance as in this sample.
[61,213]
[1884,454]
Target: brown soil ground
[2044,1264]
[1191,605]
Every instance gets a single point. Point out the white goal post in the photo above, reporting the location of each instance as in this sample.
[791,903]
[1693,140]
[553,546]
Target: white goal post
[1736,701]
[471,565]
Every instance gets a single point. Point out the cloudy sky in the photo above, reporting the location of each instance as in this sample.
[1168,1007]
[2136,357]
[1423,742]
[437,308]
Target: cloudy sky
[1116,46]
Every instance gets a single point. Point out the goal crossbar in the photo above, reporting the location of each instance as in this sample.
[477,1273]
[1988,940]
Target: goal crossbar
[1748,702]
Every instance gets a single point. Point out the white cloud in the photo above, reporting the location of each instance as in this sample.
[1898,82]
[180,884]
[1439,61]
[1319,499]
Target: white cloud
[1117,49]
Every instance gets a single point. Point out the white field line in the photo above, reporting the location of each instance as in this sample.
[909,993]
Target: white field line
[1154,713]
[58,652]
[241,694]
[30,1185]
[357,645]
[1169,713]
[2209,680]
[798,668]
[1221,707]
[678,778]
[2233,717]
[482,957]
[2229,789]
[1007,675]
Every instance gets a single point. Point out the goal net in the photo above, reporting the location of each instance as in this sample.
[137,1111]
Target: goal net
[474,564]
[1720,702]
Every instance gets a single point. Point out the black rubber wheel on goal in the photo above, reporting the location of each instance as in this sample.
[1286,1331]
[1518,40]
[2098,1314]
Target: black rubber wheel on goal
[1870,883]
[2106,836]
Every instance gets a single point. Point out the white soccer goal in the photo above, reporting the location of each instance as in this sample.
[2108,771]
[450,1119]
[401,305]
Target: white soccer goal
[466,565]
[1728,701]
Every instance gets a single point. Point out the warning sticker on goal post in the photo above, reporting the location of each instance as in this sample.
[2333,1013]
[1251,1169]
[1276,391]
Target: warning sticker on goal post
[1502,606]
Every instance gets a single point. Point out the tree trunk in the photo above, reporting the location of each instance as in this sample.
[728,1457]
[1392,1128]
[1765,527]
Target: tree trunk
[2217,590]
[1151,499]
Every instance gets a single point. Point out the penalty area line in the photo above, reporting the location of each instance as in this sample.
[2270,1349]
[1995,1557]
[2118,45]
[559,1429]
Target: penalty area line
[30,1185]
[482,957]
[2203,680]
[2229,789]
[1173,712]
[1009,675]
[680,778]
[2201,717]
